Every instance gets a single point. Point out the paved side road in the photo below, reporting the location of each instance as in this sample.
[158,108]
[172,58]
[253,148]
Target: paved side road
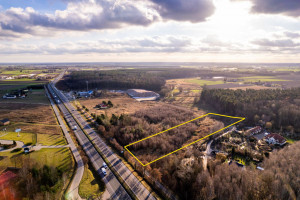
[72,192]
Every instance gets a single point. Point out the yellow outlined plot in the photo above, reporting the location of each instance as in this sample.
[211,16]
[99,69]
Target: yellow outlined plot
[126,147]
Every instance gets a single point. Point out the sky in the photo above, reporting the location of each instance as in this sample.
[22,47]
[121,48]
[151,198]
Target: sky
[150,31]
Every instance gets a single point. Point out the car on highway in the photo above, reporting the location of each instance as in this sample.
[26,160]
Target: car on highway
[75,128]
[104,165]
[103,171]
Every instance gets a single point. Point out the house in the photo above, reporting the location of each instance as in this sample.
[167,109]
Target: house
[9,96]
[4,122]
[274,138]
[255,130]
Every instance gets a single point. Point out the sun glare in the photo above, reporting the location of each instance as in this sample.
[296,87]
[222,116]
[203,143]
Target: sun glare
[230,18]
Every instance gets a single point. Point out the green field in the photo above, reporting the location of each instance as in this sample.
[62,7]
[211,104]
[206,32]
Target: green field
[24,137]
[60,157]
[35,96]
[287,69]
[20,79]
[204,82]
[44,139]
[261,79]
[19,72]
[88,187]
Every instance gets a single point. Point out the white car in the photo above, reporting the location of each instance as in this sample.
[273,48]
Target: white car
[103,171]
[104,165]
[75,128]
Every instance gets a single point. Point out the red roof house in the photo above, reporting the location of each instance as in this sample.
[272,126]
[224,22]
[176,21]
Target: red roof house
[274,138]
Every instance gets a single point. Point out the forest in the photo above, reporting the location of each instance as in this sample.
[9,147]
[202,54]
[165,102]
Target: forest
[275,108]
[143,78]
[184,173]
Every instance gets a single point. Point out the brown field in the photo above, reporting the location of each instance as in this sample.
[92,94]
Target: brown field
[32,119]
[123,104]
[28,113]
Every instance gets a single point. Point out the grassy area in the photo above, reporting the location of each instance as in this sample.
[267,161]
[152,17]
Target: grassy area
[261,78]
[196,91]
[36,96]
[21,79]
[47,139]
[175,91]
[290,141]
[44,139]
[88,187]
[24,137]
[19,72]
[60,157]
[287,69]
[204,82]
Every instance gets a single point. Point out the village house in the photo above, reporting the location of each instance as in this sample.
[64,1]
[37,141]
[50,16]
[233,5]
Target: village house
[255,130]
[4,122]
[274,138]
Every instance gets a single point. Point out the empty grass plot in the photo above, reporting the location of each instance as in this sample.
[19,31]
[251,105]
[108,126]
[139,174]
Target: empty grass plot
[173,139]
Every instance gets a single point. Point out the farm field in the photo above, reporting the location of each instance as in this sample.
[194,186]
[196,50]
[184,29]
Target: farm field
[6,86]
[205,82]
[20,72]
[261,79]
[27,113]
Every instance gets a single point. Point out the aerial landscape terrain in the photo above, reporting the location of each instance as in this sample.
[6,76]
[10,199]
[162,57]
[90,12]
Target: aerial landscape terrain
[150,100]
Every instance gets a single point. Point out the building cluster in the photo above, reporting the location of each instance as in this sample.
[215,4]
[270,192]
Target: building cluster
[272,138]
[22,93]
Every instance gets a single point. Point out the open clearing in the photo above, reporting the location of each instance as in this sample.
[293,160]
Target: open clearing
[28,113]
[123,104]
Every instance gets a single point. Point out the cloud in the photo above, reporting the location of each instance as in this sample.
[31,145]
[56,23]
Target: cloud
[154,44]
[276,43]
[286,7]
[184,10]
[84,15]
[292,34]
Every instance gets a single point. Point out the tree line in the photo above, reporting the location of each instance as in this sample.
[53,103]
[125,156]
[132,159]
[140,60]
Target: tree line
[278,109]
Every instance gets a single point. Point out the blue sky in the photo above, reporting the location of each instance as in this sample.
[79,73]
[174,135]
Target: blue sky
[149,30]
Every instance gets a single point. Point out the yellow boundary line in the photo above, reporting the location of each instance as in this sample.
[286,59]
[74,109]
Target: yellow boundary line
[241,119]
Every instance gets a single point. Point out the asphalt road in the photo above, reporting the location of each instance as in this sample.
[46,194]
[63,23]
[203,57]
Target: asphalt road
[113,186]
[133,183]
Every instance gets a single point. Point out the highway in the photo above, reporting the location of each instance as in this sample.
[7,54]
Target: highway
[132,182]
[72,192]
[113,186]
